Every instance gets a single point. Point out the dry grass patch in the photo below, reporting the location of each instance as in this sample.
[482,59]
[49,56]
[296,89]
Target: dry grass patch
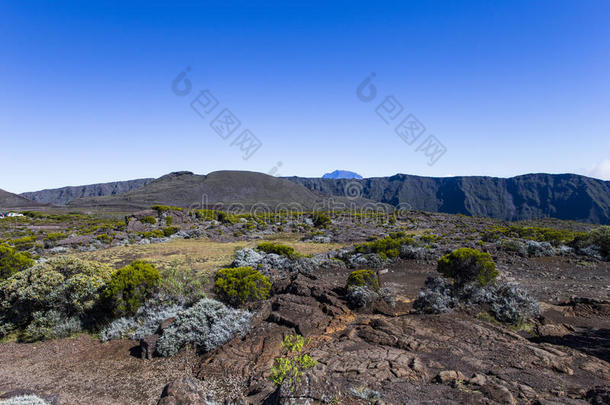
[202,255]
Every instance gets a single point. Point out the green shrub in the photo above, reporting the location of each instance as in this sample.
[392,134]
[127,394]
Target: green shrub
[291,368]
[156,233]
[214,215]
[170,230]
[165,208]
[385,247]
[182,285]
[131,286]
[600,237]
[428,238]
[279,249]
[363,278]
[149,220]
[554,236]
[54,237]
[242,284]
[24,243]
[169,221]
[467,265]
[12,261]
[321,219]
[52,293]
[105,238]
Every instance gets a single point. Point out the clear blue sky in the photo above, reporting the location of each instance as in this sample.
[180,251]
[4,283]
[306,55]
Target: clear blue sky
[508,87]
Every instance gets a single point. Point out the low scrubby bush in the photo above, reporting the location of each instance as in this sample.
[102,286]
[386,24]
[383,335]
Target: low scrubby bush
[505,302]
[50,325]
[513,246]
[278,249]
[596,239]
[181,286]
[145,322]
[24,400]
[131,286]
[24,243]
[207,325]
[242,284]
[47,295]
[436,297]
[363,278]
[12,261]
[215,215]
[155,233]
[555,237]
[601,237]
[165,208]
[360,297]
[170,230]
[54,236]
[321,219]
[539,249]
[149,219]
[290,368]
[467,265]
[104,238]
[387,247]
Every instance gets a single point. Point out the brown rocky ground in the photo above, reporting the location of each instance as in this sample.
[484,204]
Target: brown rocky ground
[406,358]
[380,355]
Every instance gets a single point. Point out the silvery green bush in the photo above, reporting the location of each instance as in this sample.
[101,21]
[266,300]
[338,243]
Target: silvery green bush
[145,322]
[207,324]
[120,328]
[361,296]
[49,297]
[505,302]
[24,400]
[51,325]
[539,249]
[436,297]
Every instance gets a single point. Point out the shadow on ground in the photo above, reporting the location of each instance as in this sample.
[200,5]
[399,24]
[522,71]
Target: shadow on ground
[594,342]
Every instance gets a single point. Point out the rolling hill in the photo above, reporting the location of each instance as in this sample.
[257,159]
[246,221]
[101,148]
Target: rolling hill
[185,189]
[10,200]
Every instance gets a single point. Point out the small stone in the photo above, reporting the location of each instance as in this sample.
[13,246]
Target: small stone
[478,379]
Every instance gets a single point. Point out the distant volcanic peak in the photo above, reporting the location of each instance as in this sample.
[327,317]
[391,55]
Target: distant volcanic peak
[342,174]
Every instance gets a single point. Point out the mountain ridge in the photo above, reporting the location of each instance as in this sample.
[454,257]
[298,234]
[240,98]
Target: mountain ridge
[63,195]
[529,196]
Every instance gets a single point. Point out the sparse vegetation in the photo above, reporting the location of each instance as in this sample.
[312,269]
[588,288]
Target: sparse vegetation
[290,368]
[387,247]
[165,208]
[279,249]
